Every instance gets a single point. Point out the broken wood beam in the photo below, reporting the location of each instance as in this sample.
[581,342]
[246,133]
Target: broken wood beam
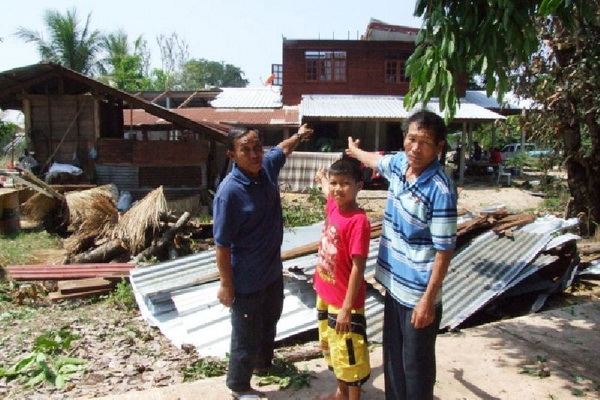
[165,239]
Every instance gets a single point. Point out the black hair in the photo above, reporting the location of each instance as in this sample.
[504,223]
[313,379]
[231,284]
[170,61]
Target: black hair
[430,121]
[347,166]
[236,133]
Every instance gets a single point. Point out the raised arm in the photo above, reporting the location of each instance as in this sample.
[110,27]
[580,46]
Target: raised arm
[321,179]
[369,159]
[290,144]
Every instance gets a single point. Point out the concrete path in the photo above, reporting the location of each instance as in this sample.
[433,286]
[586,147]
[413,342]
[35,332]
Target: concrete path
[550,355]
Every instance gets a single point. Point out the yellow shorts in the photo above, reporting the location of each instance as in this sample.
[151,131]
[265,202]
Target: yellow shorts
[347,354]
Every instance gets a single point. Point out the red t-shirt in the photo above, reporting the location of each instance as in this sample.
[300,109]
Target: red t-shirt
[345,234]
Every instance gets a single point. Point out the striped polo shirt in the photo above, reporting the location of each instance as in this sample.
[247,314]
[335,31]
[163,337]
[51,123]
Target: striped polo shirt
[419,220]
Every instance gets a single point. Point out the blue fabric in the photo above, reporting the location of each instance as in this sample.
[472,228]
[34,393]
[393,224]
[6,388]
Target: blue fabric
[254,321]
[248,219]
[420,219]
[408,353]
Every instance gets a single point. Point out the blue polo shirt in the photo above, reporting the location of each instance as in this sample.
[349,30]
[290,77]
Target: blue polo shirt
[248,219]
[420,219]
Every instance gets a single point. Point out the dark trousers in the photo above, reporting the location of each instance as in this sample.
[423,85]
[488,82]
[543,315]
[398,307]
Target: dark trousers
[254,319]
[408,353]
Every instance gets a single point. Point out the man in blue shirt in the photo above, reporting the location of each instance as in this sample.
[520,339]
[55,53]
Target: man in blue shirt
[417,244]
[248,231]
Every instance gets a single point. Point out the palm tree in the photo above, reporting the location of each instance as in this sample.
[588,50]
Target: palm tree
[120,67]
[70,44]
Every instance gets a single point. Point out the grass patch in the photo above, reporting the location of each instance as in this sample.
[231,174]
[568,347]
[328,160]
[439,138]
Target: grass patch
[122,297]
[18,248]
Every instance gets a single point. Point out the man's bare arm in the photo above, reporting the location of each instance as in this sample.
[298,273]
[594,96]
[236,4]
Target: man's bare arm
[226,291]
[289,145]
[371,160]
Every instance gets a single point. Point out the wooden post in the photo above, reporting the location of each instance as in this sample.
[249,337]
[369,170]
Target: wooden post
[377,131]
[461,168]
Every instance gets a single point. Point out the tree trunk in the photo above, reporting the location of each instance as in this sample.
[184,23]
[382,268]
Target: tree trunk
[102,253]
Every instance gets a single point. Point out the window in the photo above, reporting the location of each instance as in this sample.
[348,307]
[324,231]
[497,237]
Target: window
[325,66]
[395,71]
[277,70]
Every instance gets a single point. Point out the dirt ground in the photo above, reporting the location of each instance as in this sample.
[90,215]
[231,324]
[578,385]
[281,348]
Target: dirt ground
[125,354]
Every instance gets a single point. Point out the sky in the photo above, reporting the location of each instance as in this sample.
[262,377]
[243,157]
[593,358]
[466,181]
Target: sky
[245,33]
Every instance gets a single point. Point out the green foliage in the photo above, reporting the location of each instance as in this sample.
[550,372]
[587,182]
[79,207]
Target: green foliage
[286,375]
[71,44]
[122,67]
[296,213]
[7,132]
[19,248]
[48,362]
[460,38]
[204,368]
[198,73]
[122,297]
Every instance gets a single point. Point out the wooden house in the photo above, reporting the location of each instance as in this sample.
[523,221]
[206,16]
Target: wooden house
[73,119]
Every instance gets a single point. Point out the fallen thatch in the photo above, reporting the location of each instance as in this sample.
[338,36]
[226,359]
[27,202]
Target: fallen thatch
[93,209]
[39,206]
[141,219]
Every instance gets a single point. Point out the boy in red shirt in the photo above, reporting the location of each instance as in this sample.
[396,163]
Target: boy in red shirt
[339,280]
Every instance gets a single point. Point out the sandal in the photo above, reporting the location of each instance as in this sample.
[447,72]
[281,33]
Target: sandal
[250,394]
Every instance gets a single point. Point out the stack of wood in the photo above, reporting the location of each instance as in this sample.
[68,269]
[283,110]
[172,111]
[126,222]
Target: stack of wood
[83,288]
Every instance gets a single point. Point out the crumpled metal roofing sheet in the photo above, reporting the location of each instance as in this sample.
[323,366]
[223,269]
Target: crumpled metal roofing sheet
[269,97]
[484,269]
[382,107]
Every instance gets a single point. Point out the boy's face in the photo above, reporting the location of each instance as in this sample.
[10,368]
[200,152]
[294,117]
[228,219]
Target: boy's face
[343,188]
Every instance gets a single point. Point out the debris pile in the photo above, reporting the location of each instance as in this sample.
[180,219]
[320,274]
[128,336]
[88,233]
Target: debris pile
[500,257]
[98,234]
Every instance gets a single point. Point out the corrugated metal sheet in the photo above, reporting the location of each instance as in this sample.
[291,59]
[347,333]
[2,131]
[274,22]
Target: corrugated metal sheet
[123,177]
[382,107]
[510,101]
[269,97]
[170,296]
[286,116]
[484,269]
[70,271]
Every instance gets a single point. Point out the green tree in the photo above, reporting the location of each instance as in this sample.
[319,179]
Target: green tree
[198,73]
[121,67]
[546,49]
[71,43]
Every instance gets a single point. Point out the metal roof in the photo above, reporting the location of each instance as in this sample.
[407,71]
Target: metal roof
[286,116]
[171,295]
[268,97]
[510,101]
[382,107]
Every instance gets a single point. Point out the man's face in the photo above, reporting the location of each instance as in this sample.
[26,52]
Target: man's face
[247,153]
[420,146]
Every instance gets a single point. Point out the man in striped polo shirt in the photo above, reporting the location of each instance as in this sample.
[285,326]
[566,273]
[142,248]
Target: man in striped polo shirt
[417,244]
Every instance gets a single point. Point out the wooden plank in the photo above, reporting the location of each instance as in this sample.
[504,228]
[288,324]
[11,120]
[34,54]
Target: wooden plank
[54,296]
[84,285]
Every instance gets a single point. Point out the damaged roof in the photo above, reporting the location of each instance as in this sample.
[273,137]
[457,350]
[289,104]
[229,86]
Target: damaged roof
[282,117]
[54,78]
